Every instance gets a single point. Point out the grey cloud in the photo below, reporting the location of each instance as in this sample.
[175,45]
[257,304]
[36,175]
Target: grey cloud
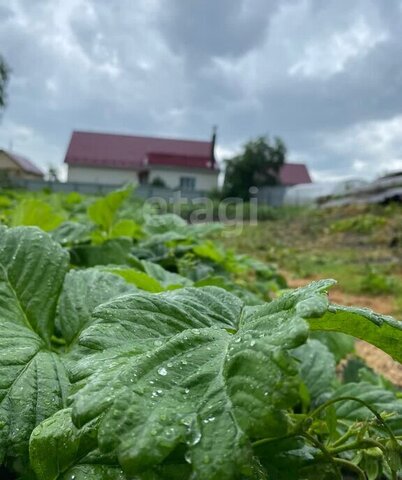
[179,70]
[5,13]
[200,29]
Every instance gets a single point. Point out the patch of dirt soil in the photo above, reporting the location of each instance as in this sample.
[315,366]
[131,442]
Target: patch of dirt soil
[380,362]
[375,358]
[384,304]
[381,304]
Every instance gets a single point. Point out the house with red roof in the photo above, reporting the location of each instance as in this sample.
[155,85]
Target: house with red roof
[294,174]
[18,166]
[111,159]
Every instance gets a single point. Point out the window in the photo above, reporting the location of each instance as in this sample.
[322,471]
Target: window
[187,183]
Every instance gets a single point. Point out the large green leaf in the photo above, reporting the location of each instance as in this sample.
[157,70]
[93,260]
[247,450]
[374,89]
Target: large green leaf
[382,331]
[33,379]
[191,367]
[32,269]
[145,319]
[33,386]
[83,290]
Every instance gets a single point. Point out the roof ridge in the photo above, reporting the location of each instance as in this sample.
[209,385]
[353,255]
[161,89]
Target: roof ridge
[23,162]
[149,137]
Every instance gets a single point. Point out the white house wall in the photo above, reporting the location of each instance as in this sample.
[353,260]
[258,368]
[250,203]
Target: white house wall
[101,176]
[204,181]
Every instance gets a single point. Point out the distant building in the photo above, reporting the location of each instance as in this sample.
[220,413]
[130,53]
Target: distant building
[293,178]
[294,174]
[103,158]
[18,166]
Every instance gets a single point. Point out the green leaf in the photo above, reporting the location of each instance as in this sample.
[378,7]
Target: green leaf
[339,344]
[34,212]
[112,252]
[370,466]
[140,279]
[379,398]
[33,386]
[331,421]
[166,278]
[103,211]
[382,331]
[287,459]
[33,380]
[317,368]
[32,269]
[151,319]
[309,302]
[69,233]
[95,472]
[201,230]
[168,223]
[59,451]
[193,382]
[209,250]
[125,228]
[83,290]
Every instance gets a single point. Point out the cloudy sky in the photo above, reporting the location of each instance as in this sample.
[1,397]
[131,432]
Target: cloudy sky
[325,75]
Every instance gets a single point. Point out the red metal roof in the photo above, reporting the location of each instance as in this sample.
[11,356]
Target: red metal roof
[25,164]
[190,161]
[294,174]
[129,151]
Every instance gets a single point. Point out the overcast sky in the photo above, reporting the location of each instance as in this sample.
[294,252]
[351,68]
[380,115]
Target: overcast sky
[325,75]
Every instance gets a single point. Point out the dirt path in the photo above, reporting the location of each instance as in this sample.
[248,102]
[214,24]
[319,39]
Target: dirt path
[374,357]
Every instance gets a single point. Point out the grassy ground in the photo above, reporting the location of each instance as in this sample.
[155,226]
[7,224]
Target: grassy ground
[360,247]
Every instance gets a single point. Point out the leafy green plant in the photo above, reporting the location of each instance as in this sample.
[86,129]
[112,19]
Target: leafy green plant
[375,282]
[364,224]
[100,379]
[35,212]
[152,353]
[104,214]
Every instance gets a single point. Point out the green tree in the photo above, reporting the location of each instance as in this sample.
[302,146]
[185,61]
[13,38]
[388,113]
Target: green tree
[258,165]
[158,182]
[4,75]
[52,174]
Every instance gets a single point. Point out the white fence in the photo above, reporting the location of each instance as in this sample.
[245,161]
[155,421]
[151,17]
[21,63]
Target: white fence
[143,191]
